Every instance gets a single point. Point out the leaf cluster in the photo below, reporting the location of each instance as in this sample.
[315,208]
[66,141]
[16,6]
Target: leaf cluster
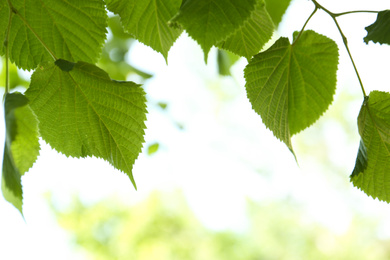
[80,111]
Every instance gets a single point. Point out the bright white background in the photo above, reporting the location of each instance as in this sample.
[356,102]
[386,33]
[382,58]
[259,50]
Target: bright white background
[224,154]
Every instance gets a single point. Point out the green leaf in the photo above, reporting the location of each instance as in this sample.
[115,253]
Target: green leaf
[276,9]
[225,60]
[73,30]
[147,21]
[253,35]
[153,148]
[212,21]
[291,85]
[380,30]
[21,147]
[372,170]
[82,112]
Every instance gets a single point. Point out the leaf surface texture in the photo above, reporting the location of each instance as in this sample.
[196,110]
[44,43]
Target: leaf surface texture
[73,30]
[82,112]
[291,85]
[212,21]
[372,170]
[147,21]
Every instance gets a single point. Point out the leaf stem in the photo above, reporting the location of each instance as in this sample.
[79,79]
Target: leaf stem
[355,12]
[345,41]
[13,10]
[303,28]
[7,51]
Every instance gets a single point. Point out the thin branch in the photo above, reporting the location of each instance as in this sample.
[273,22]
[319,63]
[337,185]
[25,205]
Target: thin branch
[334,15]
[303,28]
[355,12]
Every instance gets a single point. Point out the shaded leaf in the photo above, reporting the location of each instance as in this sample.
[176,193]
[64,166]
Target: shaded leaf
[276,9]
[147,21]
[225,61]
[291,85]
[372,170]
[82,112]
[380,30]
[249,39]
[73,30]
[21,147]
[212,21]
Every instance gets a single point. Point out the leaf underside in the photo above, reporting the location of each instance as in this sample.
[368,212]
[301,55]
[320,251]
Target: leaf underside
[212,21]
[82,112]
[291,86]
[147,21]
[73,30]
[372,169]
[253,35]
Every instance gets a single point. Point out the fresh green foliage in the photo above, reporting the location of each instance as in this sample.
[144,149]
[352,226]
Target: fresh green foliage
[147,21]
[276,9]
[252,35]
[380,30]
[290,81]
[21,147]
[210,22]
[83,112]
[371,173]
[73,30]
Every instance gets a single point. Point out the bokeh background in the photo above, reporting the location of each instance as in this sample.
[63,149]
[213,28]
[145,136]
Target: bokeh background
[213,182]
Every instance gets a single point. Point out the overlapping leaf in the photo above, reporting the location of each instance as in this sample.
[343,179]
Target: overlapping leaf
[82,112]
[73,30]
[212,21]
[21,147]
[291,85]
[276,9]
[372,170]
[251,37]
[147,21]
[380,30]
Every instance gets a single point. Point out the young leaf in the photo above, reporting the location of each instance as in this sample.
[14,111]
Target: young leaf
[380,30]
[82,112]
[212,21]
[21,147]
[73,30]
[291,85]
[147,21]
[276,9]
[251,37]
[372,170]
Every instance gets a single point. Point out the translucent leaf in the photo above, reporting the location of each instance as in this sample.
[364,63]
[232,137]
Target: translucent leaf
[291,85]
[21,147]
[251,37]
[82,112]
[147,21]
[212,21]
[225,60]
[380,30]
[372,170]
[73,30]
[276,9]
